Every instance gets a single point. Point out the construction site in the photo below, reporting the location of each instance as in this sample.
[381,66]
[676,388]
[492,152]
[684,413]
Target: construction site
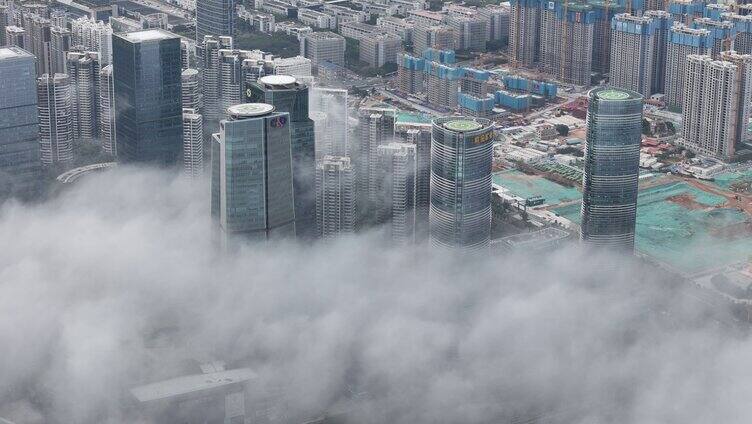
[687,225]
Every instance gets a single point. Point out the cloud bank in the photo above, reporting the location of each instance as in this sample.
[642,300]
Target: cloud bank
[117,282]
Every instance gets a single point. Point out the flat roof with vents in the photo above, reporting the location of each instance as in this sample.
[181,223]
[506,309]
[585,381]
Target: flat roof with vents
[148,35]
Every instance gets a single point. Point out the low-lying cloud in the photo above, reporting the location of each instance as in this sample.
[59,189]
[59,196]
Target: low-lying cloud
[117,282]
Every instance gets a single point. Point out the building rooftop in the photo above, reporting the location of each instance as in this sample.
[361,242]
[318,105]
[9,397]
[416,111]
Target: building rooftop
[191,384]
[278,80]
[148,35]
[13,52]
[463,125]
[249,110]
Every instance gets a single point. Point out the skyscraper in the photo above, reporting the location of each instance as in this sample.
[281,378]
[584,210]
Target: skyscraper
[410,74]
[288,95]
[683,41]
[716,108]
[190,89]
[662,24]
[55,118]
[19,124]
[107,110]
[612,159]
[461,155]
[84,70]
[61,41]
[215,17]
[633,45]
[398,170]
[147,80]
[375,127]
[333,103]
[94,36]
[524,32]
[210,68]
[335,196]
[442,84]
[566,41]
[422,141]
[193,143]
[252,182]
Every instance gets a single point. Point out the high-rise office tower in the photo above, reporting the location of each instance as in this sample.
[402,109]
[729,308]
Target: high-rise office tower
[604,13]
[286,94]
[94,36]
[210,66]
[442,84]
[193,143]
[716,108]
[335,196]
[410,74]
[190,89]
[612,159]
[633,45]
[107,110]
[422,141]
[332,102]
[566,41]
[84,70]
[683,41]
[661,25]
[55,118]
[215,17]
[375,127]
[323,47]
[461,155]
[19,124]
[397,189]
[148,104]
[252,177]
[524,32]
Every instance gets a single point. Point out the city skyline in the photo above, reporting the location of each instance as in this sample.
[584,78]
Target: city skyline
[382,211]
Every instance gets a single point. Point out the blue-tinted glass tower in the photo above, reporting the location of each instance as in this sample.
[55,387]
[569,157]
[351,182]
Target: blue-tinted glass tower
[612,159]
[286,94]
[251,183]
[148,105]
[215,17]
[461,155]
[20,165]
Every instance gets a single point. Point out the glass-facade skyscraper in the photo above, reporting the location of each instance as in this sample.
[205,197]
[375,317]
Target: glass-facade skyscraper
[148,106]
[461,156]
[215,17]
[286,94]
[20,165]
[252,181]
[612,160]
